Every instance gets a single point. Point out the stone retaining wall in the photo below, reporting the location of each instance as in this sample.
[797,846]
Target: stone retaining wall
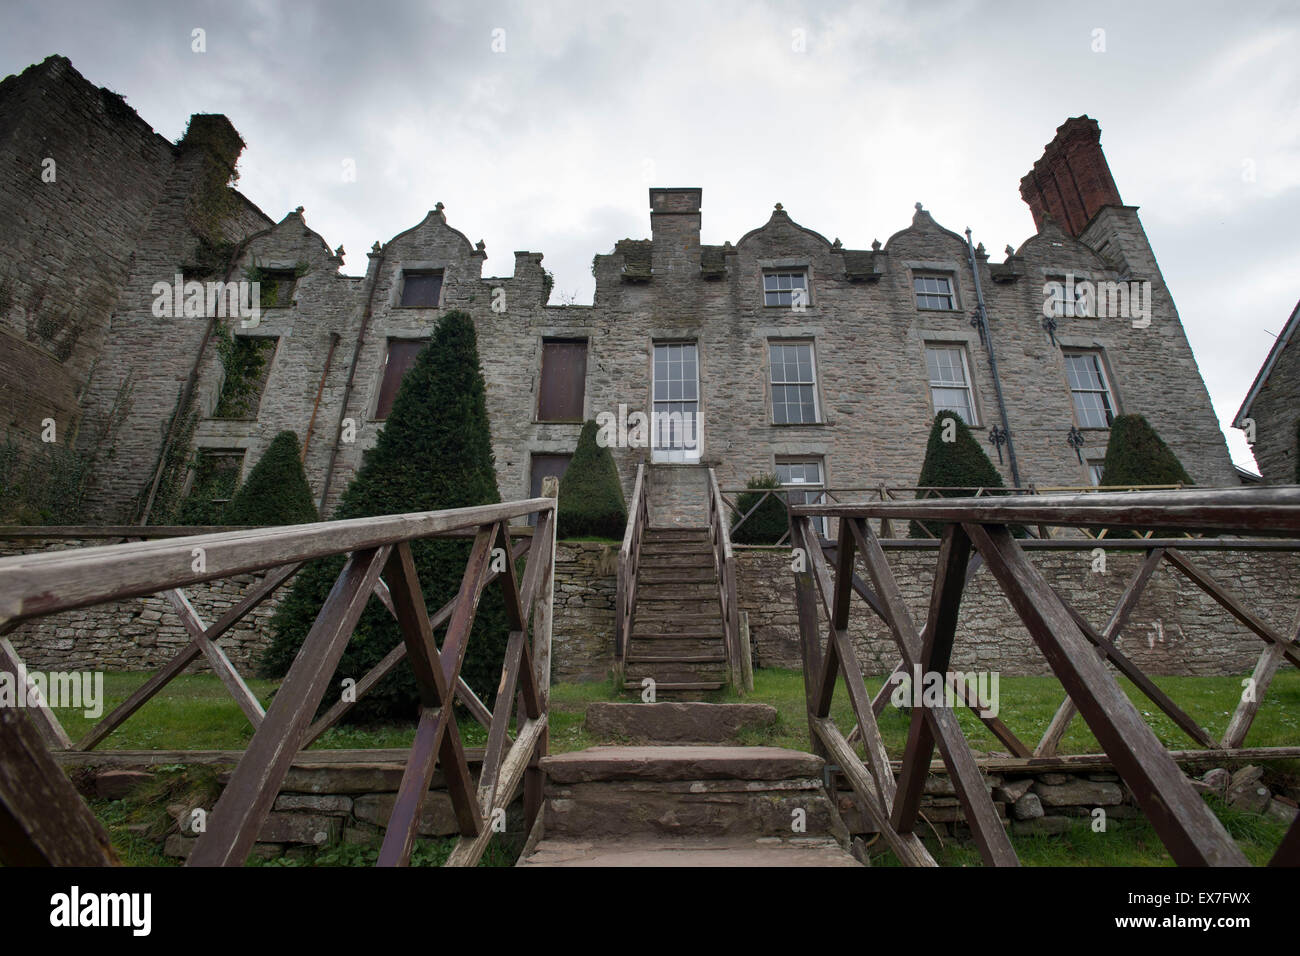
[144,633]
[1175,629]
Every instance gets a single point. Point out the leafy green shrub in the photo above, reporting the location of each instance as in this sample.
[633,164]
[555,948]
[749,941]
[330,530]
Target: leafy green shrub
[276,491]
[434,452]
[591,496]
[767,524]
[960,464]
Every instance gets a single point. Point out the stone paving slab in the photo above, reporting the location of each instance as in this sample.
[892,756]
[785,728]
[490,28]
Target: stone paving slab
[680,763]
[708,853]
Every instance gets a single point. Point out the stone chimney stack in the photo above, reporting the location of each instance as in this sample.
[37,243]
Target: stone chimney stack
[675,229]
[1071,182]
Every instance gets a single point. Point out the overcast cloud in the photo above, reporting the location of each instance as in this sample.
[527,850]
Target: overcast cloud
[551,144]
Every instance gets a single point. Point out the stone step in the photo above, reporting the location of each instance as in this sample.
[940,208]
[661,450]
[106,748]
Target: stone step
[700,634]
[673,574]
[669,678]
[718,657]
[687,791]
[677,687]
[663,852]
[675,534]
[676,722]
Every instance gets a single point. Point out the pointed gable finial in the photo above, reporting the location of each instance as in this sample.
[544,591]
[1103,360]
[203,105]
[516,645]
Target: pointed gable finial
[1009,250]
[875,245]
[374,250]
[481,247]
[438,207]
[779,208]
[920,208]
[837,244]
[339,252]
[298,210]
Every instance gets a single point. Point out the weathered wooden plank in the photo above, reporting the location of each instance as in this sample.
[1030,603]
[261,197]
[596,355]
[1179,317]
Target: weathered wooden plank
[43,820]
[45,720]
[217,659]
[1118,618]
[514,660]
[1110,652]
[907,846]
[1192,833]
[437,735]
[981,815]
[468,850]
[1229,602]
[36,584]
[1273,510]
[253,787]
[1260,679]
[936,652]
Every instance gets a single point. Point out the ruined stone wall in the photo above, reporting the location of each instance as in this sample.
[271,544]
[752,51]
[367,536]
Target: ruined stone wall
[79,174]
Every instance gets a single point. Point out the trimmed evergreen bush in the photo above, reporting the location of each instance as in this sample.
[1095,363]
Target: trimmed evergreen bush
[960,464]
[591,496]
[769,522]
[434,452]
[276,491]
[1136,455]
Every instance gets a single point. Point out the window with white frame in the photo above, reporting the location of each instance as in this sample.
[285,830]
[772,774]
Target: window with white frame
[934,292]
[950,388]
[1093,406]
[785,288]
[804,484]
[1096,466]
[794,383]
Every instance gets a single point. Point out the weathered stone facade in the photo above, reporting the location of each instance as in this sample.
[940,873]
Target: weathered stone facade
[1273,405]
[868,334]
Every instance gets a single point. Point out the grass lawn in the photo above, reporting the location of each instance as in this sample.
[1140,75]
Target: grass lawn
[194,712]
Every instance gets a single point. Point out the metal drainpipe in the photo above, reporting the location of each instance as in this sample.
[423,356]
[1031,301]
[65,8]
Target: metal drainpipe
[352,373]
[982,323]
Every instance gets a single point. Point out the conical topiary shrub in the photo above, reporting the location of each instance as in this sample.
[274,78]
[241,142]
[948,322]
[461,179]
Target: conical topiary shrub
[1136,455]
[591,496]
[769,521]
[959,464]
[276,491]
[434,452]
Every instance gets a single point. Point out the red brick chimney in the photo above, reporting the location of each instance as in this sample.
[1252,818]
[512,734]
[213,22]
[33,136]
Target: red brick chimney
[1072,181]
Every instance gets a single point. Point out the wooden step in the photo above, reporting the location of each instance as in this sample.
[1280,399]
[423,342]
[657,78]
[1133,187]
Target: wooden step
[655,598]
[687,851]
[661,686]
[676,659]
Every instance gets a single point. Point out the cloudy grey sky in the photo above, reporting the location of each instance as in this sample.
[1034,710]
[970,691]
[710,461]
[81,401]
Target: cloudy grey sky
[847,113]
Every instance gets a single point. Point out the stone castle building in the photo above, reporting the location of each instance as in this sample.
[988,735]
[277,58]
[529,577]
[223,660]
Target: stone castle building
[823,364]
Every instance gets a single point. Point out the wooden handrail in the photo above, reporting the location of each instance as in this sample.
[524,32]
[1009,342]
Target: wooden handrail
[977,534]
[35,585]
[629,562]
[724,563]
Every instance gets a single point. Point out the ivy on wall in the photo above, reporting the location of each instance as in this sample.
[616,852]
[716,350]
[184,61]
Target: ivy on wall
[245,361]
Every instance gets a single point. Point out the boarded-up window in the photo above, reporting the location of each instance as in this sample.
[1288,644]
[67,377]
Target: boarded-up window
[545,466]
[401,356]
[564,378]
[420,290]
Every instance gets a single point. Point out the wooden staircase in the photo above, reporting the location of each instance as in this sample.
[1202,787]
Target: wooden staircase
[677,635]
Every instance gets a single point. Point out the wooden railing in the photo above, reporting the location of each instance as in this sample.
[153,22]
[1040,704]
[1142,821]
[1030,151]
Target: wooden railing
[976,532]
[379,564]
[731,497]
[629,562]
[724,565]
